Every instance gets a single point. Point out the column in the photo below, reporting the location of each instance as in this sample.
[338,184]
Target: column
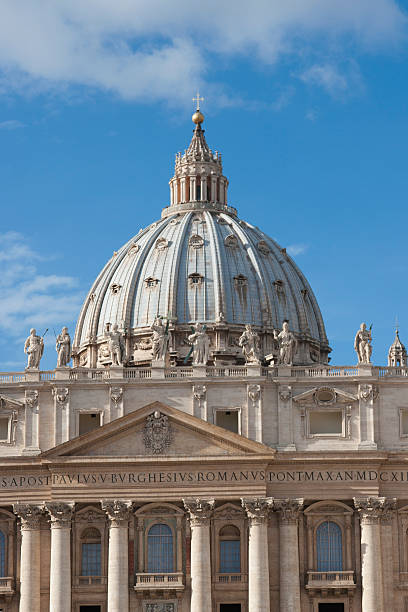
[257,510]
[60,569]
[367,396]
[118,512]
[289,510]
[387,546]
[30,562]
[200,511]
[370,510]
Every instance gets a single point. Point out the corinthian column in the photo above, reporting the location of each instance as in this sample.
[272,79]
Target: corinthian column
[200,511]
[118,512]
[257,510]
[289,553]
[371,510]
[60,570]
[30,516]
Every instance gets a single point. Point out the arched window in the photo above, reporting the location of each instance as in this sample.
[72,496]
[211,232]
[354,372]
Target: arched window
[2,554]
[329,547]
[160,549]
[91,552]
[230,550]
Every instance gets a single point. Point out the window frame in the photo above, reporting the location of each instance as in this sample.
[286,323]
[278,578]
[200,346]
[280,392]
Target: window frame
[160,521]
[89,540]
[345,411]
[235,538]
[329,520]
[228,409]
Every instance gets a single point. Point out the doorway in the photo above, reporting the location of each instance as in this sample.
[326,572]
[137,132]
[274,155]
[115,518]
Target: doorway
[331,607]
[230,607]
[89,608]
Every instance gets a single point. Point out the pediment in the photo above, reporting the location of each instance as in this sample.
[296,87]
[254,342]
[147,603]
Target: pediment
[171,433]
[10,402]
[331,395]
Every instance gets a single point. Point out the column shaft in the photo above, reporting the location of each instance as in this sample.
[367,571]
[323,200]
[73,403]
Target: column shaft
[118,512]
[258,509]
[200,512]
[30,562]
[289,554]
[60,570]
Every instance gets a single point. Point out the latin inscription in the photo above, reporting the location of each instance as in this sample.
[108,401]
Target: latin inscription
[143,479]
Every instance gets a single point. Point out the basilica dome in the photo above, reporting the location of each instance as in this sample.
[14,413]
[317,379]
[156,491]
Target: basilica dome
[199,263]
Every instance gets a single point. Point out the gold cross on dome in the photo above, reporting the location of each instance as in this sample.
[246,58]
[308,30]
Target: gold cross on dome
[197,99]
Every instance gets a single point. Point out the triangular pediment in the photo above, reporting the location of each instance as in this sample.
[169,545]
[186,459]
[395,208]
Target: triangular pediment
[10,402]
[156,431]
[325,396]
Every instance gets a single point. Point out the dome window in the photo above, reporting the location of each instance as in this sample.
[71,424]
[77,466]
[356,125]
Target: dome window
[196,241]
[263,247]
[195,279]
[278,284]
[240,281]
[162,244]
[231,241]
[115,288]
[151,282]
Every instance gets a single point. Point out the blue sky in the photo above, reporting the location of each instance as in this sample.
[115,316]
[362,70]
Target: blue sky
[307,100]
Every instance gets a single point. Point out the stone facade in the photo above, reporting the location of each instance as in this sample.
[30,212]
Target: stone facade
[205,474]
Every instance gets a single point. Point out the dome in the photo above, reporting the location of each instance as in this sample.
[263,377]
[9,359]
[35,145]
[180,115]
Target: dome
[199,263]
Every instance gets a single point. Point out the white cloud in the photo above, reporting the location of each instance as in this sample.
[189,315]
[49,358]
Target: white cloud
[30,297]
[11,124]
[312,115]
[297,249]
[153,49]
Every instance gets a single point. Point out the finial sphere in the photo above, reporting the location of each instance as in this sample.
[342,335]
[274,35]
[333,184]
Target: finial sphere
[198,117]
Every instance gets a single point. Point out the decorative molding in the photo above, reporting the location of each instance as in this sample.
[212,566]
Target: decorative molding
[373,509]
[29,514]
[254,393]
[196,241]
[118,511]
[289,509]
[368,392]
[157,433]
[199,392]
[200,510]
[312,396]
[60,513]
[257,509]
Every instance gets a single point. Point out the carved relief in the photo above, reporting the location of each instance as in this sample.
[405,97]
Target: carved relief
[61,395]
[372,509]
[116,394]
[263,247]
[285,393]
[133,250]
[254,392]
[200,510]
[257,508]
[368,392]
[199,392]
[60,513]
[162,244]
[231,241]
[118,511]
[196,241]
[157,433]
[31,398]
[29,514]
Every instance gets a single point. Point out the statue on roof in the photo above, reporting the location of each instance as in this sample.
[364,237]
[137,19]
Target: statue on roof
[287,344]
[160,339]
[116,345]
[201,344]
[250,344]
[362,344]
[63,348]
[34,349]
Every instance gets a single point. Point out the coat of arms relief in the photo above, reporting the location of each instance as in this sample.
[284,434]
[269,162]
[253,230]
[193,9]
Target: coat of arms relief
[157,433]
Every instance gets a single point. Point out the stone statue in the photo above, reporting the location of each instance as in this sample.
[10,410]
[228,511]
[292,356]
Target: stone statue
[34,349]
[249,342]
[63,348]
[287,344]
[116,345]
[362,344]
[201,345]
[160,340]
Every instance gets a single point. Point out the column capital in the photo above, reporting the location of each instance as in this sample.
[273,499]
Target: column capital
[257,508]
[373,509]
[30,515]
[289,509]
[60,513]
[118,511]
[200,510]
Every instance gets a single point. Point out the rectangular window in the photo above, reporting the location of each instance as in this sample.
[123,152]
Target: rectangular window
[404,422]
[88,421]
[325,423]
[91,559]
[4,429]
[230,557]
[228,419]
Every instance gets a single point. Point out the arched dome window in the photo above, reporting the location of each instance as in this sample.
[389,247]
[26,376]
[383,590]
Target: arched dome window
[160,556]
[91,552]
[329,547]
[230,550]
